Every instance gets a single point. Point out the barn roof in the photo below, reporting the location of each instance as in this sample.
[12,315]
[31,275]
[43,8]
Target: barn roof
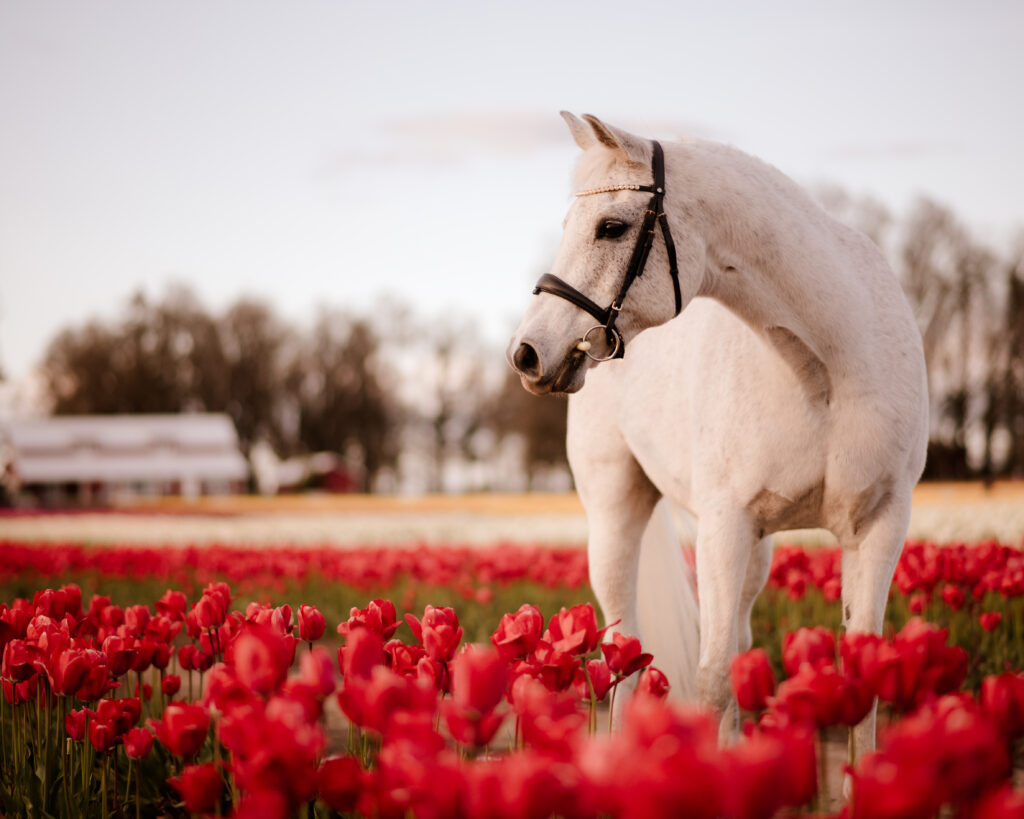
[118,448]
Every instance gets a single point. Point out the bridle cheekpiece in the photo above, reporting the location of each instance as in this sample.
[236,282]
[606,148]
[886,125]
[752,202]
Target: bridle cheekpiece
[607,316]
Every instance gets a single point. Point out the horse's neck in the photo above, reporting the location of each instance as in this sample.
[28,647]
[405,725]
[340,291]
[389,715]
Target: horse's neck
[780,264]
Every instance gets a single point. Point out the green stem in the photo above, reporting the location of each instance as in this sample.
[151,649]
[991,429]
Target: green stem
[128,783]
[138,789]
[3,731]
[87,764]
[103,806]
[67,747]
[823,794]
[611,709]
[592,716]
[39,743]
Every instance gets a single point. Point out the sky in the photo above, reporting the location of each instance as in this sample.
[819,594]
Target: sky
[333,153]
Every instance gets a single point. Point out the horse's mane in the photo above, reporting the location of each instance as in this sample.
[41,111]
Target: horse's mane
[717,164]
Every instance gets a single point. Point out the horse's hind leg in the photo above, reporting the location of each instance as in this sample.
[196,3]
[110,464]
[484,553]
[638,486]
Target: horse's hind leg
[869,561]
[724,543]
[758,569]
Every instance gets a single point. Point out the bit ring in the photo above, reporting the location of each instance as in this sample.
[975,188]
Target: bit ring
[586,341]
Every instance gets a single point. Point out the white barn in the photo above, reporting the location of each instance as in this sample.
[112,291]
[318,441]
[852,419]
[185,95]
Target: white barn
[95,457]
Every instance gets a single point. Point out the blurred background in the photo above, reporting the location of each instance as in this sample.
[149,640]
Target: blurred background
[296,238]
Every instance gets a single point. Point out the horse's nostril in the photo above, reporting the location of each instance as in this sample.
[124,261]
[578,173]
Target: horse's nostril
[526,360]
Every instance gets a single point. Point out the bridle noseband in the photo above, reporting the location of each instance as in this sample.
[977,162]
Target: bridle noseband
[607,316]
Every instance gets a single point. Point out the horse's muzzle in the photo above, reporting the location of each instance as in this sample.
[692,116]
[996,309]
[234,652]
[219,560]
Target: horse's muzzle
[564,379]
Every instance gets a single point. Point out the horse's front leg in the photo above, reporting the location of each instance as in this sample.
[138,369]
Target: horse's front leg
[868,565]
[619,500]
[725,539]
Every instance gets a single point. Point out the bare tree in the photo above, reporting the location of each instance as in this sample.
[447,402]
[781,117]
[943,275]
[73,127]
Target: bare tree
[339,384]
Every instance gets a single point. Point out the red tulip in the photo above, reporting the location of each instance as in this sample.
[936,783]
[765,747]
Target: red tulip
[75,723]
[811,695]
[73,600]
[16,618]
[262,657]
[855,701]
[120,653]
[102,735]
[122,713]
[200,787]
[186,657]
[312,623]
[439,632]
[317,671]
[556,669]
[161,656]
[1003,802]
[403,659]
[1002,698]
[653,683]
[17,693]
[277,619]
[953,596]
[225,692]
[373,703]
[172,604]
[209,611]
[19,660]
[990,620]
[479,677]
[575,631]
[596,681]
[761,770]
[885,789]
[137,743]
[97,681]
[432,673]
[379,616]
[523,784]
[170,685]
[636,773]
[753,680]
[339,782]
[550,721]
[517,634]
[136,618]
[624,655]
[274,748]
[182,730]
[470,727]
[816,646]
[68,670]
[362,652]
[51,602]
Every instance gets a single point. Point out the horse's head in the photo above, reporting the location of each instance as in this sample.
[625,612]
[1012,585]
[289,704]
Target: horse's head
[616,239]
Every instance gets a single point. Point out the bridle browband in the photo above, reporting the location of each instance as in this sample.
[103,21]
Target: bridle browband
[607,316]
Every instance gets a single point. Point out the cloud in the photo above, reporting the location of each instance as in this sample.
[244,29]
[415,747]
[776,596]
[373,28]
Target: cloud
[908,149]
[451,137]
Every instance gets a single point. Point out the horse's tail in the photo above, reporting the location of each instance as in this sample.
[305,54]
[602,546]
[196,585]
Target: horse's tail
[667,604]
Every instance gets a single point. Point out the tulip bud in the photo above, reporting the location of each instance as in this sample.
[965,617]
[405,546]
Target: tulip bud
[753,680]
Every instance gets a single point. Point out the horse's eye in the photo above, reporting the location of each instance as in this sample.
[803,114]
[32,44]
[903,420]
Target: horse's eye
[611,229]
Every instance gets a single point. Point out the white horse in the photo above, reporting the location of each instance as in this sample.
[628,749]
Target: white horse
[790,393]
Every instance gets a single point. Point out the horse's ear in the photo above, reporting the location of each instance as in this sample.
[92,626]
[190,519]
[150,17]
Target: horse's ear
[617,140]
[581,133]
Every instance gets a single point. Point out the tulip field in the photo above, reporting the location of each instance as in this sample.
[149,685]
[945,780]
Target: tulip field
[451,681]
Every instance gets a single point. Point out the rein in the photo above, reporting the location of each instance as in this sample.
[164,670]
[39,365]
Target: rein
[607,316]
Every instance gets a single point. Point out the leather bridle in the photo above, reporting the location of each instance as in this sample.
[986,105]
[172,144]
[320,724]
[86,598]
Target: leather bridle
[607,316]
